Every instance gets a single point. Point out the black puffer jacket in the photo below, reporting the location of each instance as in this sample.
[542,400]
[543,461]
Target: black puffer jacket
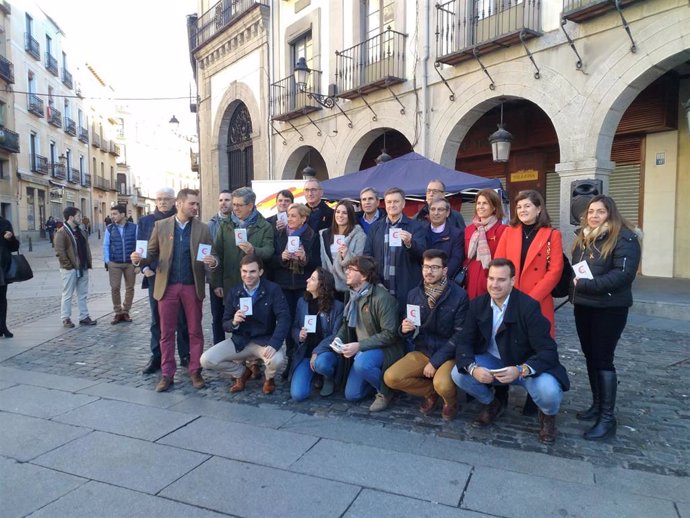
[613,275]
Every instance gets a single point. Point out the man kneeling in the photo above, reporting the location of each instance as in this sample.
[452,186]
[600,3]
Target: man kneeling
[441,307]
[507,341]
[258,317]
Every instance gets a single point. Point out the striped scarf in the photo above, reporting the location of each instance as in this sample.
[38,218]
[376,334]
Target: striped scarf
[433,292]
[479,246]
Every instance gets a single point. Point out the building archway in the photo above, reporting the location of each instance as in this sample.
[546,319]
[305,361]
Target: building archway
[301,158]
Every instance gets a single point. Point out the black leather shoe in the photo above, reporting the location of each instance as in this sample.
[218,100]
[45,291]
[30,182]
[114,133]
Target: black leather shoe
[154,365]
[184,361]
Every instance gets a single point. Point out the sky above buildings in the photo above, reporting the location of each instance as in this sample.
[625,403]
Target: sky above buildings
[137,46]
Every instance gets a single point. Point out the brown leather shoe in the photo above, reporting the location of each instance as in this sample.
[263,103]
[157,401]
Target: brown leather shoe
[449,412]
[116,319]
[255,369]
[124,317]
[489,413]
[269,386]
[164,384]
[197,380]
[240,382]
[428,404]
[547,430]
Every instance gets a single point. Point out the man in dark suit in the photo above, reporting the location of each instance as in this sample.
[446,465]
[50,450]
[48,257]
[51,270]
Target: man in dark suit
[507,341]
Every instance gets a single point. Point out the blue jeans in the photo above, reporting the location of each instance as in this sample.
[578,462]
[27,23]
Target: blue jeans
[182,332]
[326,363]
[300,386]
[544,388]
[365,375]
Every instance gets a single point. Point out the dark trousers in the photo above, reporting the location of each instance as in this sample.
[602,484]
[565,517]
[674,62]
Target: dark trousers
[599,330]
[217,311]
[182,332]
[3,307]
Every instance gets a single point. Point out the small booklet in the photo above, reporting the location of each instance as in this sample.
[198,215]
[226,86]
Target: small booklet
[246,306]
[240,236]
[582,270]
[310,323]
[204,251]
[413,314]
[394,238]
[282,216]
[337,345]
[293,244]
[142,247]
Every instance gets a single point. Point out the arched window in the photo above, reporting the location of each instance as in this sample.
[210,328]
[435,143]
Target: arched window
[240,149]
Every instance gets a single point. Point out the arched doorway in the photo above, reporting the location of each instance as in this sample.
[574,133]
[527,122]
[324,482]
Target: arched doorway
[389,140]
[240,149]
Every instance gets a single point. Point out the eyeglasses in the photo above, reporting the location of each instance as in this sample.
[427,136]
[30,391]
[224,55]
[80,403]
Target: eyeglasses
[352,269]
[311,190]
[434,191]
[239,205]
[442,209]
[431,268]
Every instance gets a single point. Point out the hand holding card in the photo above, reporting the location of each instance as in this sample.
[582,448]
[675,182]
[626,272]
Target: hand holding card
[142,247]
[246,306]
[240,236]
[204,251]
[413,314]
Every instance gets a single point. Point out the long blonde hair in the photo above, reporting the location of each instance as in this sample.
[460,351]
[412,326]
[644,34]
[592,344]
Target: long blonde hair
[615,222]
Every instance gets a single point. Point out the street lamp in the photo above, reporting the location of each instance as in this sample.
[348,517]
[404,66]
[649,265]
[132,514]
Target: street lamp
[301,75]
[500,141]
[384,156]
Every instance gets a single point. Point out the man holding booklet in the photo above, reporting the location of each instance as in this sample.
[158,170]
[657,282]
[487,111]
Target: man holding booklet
[258,317]
[507,341]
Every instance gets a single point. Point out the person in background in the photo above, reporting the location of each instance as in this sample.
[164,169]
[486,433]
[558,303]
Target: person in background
[481,240]
[436,190]
[51,227]
[321,215]
[119,241]
[370,211]
[284,199]
[611,248]
[217,306]
[442,235]
[8,244]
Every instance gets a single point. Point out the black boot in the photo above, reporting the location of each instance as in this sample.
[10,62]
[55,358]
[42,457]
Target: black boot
[606,423]
[593,411]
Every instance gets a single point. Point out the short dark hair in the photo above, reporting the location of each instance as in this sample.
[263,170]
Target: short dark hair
[366,266]
[435,253]
[69,212]
[182,195]
[120,208]
[543,219]
[494,200]
[500,262]
[286,193]
[249,259]
[394,190]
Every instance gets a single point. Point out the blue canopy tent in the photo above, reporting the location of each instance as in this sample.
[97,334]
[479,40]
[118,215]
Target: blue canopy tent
[410,172]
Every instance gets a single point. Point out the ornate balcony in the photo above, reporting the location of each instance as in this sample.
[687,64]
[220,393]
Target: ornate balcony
[35,105]
[95,139]
[105,145]
[54,116]
[6,70]
[9,140]
[32,46]
[288,102]
[373,64]
[51,64]
[466,27]
[580,10]
[58,171]
[218,17]
[101,183]
[39,164]
[84,135]
[67,78]
[114,149]
[70,127]
[86,180]
[73,176]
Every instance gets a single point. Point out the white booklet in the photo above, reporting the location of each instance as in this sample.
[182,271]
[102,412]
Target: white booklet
[337,345]
[413,314]
[310,323]
[582,270]
[204,251]
[240,236]
[142,247]
[246,306]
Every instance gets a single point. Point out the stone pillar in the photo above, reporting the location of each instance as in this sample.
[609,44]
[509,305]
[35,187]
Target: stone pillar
[581,170]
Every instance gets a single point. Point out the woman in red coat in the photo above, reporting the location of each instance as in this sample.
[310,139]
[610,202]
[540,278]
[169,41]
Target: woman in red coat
[481,240]
[536,250]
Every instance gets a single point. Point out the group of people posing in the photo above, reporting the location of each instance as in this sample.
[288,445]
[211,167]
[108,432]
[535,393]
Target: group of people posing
[373,301]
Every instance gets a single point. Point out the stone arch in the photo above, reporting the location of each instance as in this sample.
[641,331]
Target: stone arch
[292,164]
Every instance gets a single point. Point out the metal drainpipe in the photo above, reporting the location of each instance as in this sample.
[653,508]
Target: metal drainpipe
[275,15]
[425,80]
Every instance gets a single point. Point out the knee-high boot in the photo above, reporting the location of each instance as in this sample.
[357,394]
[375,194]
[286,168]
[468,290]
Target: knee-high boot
[606,423]
[593,411]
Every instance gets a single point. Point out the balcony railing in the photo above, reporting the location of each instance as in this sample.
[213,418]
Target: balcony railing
[35,105]
[73,176]
[288,102]
[373,64]
[105,145]
[9,140]
[6,70]
[114,149]
[218,17]
[54,116]
[58,171]
[39,164]
[194,159]
[95,139]
[466,26]
[101,183]
[70,127]
[67,78]
[581,10]
[84,135]
[32,46]
[51,64]
[86,180]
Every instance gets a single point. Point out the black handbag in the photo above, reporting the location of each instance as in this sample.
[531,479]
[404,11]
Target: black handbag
[562,288]
[461,277]
[19,270]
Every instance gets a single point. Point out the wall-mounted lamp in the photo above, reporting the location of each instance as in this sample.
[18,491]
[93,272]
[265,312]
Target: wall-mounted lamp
[174,120]
[686,105]
[384,156]
[500,141]
[301,75]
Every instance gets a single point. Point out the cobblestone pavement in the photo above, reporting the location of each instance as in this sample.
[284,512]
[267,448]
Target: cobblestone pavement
[653,410]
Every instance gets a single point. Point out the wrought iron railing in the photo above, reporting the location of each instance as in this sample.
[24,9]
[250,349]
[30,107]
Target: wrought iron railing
[220,16]
[86,180]
[105,145]
[51,64]
[54,116]
[73,176]
[32,46]
[580,10]
[58,171]
[95,139]
[288,102]
[6,70]
[101,183]
[9,140]
[378,61]
[39,164]
[35,105]
[114,149]
[83,135]
[70,127]
[67,78]
[464,25]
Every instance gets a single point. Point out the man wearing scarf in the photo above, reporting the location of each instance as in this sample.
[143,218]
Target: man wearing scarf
[398,264]
[165,207]
[74,255]
[368,333]
[441,306]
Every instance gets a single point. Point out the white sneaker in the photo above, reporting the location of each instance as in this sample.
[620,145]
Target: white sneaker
[381,402]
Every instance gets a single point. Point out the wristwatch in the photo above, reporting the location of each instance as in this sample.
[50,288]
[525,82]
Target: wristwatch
[524,370]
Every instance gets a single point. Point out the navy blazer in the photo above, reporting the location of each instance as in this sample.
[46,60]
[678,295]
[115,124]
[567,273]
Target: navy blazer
[523,337]
[269,323]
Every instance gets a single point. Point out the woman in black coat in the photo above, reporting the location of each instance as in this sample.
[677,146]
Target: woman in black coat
[8,244]
[611,249]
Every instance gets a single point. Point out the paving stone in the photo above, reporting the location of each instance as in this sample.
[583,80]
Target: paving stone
[266,416]
[650,484]
[683,510]
[128,419]
[41,379]
[386,470]
[25,487]
[241,442]
[6,384]
[40,402]
[24,438]
[138,396]
[110,458]
[264,491]
[376,504]
[96,499]
[517,495]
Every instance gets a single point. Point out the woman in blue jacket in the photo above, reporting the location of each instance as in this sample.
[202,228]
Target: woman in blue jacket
[319,304]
